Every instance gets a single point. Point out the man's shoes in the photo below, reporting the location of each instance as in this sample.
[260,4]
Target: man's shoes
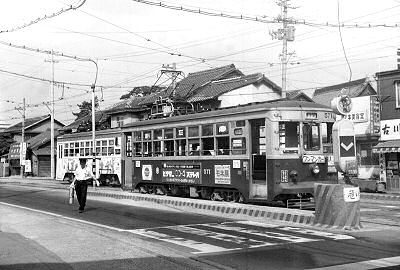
[80,210]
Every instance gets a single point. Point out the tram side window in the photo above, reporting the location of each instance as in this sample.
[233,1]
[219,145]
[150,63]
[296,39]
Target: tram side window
[238,146]
[289,134]
[181,141]
[169,147]
[158,148]
[223,145]
[208,146]
[311,136]
[181,147]
[223,141]
[137,149]
[194,147]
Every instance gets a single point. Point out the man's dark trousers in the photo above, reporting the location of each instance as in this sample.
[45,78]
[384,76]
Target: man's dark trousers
[81,193]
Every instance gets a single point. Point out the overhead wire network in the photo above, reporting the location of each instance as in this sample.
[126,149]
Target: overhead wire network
[261,19]
[45,17]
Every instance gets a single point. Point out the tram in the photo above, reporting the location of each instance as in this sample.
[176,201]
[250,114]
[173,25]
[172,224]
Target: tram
[71,147]
[270,151]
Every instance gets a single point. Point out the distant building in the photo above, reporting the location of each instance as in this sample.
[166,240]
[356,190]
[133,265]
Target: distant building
[389,145]
[32,128]
[364,115]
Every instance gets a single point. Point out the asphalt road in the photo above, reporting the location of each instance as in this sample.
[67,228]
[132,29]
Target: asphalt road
[215,243]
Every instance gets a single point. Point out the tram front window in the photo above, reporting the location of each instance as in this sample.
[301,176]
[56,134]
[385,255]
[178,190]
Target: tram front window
[311,136]
[289,135]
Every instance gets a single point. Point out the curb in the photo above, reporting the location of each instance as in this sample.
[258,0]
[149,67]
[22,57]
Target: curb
[221,209]
[377,196]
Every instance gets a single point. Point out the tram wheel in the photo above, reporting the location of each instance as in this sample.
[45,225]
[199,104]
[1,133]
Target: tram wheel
[216,197]
[239,198]
[205,193]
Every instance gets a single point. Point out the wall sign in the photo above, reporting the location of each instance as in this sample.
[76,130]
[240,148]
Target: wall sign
[390,129]
[351,194]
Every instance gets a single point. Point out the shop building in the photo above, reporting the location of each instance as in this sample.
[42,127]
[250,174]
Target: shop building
[388,148]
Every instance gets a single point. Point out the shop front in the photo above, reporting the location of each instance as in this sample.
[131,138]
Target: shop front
[389,159]
[389,154]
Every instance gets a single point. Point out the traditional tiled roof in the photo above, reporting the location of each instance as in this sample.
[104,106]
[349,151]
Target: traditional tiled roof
[41,139]
[28,123]
[216,88]
[130,104]
[197,79]
[298,95]
[188,86]
[354,88]
[100,117]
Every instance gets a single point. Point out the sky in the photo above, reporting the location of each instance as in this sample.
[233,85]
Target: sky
[131,41]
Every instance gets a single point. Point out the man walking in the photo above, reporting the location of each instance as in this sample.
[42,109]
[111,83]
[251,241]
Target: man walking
[82,176]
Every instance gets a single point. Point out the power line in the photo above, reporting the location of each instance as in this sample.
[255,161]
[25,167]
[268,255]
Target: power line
[176,53]
[341,40]
[45,17]
[262,19]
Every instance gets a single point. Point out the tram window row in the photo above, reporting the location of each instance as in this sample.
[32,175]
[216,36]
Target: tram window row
[226,138]
[85,148]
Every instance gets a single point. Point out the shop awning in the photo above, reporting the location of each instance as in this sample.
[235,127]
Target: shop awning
[387,147]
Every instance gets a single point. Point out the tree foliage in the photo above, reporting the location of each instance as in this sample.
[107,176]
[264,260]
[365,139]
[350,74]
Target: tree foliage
[5,143]
[141,91]
[85,108]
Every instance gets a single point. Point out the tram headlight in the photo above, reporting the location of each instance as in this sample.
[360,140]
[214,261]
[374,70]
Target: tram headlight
[314,168]
[293,175]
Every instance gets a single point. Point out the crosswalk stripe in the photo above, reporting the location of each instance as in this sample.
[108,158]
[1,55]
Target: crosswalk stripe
[230,236]
[334,236]
[194,245]
[274,235]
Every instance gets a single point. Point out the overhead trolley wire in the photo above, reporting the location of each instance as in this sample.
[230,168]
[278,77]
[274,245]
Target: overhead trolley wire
[71,7]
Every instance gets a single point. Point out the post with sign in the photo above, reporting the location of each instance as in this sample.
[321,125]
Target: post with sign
[337,205]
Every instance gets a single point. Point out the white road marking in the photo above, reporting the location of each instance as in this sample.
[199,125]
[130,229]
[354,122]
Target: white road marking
[365,265]
[275,235]
[370,209]
[333,236]
[201,247]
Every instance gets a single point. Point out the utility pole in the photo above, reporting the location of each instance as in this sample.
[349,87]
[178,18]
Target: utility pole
[93,135]
[22,148]
[52,161]
[286,33]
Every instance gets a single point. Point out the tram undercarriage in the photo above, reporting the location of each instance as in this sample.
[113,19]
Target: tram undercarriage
[207,193]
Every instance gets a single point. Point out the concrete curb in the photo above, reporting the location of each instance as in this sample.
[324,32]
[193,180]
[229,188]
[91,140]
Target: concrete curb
[379,196]
[220,209]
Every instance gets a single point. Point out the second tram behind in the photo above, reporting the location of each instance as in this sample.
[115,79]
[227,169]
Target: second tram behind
[71,147]
[271,151]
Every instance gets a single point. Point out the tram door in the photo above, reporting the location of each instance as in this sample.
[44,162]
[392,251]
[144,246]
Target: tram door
[258,184]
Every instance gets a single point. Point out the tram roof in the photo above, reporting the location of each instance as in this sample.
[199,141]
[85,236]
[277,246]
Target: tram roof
[88,134]
[248,108]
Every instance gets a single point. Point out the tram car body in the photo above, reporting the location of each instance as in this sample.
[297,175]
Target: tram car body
[71,147]
[270,151]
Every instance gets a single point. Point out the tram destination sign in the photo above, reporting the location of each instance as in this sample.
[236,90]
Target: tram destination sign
[313,159]
[181,173]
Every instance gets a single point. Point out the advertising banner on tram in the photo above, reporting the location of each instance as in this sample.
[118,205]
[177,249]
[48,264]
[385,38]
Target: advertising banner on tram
[181,173]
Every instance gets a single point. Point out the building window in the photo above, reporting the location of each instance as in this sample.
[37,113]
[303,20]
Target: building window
[366,156]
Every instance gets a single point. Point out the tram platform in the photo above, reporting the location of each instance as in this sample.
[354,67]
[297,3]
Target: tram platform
[222,209]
